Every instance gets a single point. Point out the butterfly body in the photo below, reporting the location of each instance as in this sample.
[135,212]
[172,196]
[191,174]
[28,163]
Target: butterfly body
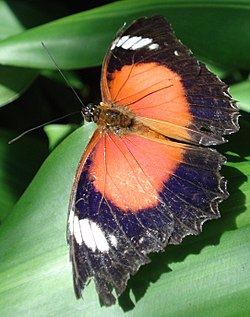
[115,119]
[147,177]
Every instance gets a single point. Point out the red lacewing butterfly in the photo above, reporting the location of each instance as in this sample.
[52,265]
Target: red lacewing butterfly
[147,177]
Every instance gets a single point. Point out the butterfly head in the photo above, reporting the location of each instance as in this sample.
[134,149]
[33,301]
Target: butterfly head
[91,112]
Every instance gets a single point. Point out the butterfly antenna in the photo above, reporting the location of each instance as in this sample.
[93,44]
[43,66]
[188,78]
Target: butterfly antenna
[62,74]
[62,117]
[40,126]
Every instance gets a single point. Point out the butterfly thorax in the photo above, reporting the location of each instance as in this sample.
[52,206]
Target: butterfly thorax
[119,120]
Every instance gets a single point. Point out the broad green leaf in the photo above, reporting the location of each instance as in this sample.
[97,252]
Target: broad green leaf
[10,24]
[207,275]
[218,32]
[19,162]
[15,16]
[13,82]
[57,132]
[241,93]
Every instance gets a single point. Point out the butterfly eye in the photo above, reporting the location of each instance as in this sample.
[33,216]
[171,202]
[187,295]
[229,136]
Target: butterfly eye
[91,112]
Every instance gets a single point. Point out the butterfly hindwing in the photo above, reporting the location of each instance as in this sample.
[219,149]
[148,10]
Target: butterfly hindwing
[115,222]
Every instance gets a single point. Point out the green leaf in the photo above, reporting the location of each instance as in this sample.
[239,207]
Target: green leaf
[13,82]
[207,275]
[15,16]
[10,25]
[57,132]
[241,93]
[17,167]
[81,40]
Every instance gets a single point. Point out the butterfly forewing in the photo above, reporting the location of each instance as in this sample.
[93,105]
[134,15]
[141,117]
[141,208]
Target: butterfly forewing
[150,71]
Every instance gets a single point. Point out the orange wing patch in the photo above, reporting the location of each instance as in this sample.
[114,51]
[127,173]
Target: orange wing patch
[144,166]
[156,95]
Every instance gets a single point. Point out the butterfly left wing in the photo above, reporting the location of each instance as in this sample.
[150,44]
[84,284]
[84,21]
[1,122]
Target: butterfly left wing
[133,195]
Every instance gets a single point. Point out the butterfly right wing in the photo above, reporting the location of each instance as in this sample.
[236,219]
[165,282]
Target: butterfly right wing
[149,71]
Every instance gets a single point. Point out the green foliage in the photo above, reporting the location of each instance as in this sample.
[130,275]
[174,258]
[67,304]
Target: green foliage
[207,275]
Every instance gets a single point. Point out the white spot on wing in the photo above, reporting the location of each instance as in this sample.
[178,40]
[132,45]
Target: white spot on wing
[91,234]
[141,240]
[86,234]
[77,230]
[122,40]
[113,240]
[176,53]
[71,221]
[131,42]
[153,46]
[143,42]
[100,239]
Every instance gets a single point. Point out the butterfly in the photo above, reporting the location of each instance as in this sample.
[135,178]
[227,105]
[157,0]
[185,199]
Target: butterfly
[148,176]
